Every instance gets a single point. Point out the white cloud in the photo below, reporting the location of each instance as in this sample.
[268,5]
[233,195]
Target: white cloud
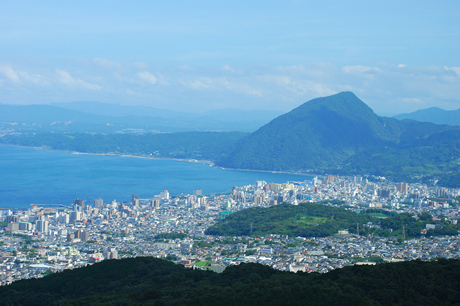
[65,78]
[454,69]
[401,66]
[238,86]
[147,77]
[140,65]
[133,93]
[185,68]
[358,69]
[105,63]
[22,77]
[387,88]
[411,100]
[9,73]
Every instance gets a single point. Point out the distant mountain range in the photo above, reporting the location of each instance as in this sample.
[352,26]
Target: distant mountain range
[434,115]
[338,134]
[123,117]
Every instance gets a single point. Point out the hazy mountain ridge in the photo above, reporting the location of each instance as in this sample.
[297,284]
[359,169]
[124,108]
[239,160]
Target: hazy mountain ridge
[338,134]
[433,114]
[182,145]
[135,117]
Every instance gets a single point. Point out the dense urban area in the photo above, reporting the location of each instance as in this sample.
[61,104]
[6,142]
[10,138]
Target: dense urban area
[47,239]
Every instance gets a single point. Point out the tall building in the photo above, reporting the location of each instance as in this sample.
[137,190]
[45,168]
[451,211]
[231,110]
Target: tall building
[41,226]
[441,192]
[13,219]
[98,203]
[111,254]
[63,218]
[84,236]
[384,193]
[13,226]
[74,216]
[25,226]
[164,194]
[402,187]
[79,202]
[258,200]
[197,192]
[135,197]
[155,203]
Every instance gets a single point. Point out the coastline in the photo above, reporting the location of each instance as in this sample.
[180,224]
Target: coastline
[190,160]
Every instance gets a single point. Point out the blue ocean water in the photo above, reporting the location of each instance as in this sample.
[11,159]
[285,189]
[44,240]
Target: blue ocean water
[35,176]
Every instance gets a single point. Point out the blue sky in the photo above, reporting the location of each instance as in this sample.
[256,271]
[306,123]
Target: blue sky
[397,56]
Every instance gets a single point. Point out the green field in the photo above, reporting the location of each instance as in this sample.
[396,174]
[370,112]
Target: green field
[202,263]
[311,219]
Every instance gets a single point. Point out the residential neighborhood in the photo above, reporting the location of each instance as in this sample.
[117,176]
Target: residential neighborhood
[37,241]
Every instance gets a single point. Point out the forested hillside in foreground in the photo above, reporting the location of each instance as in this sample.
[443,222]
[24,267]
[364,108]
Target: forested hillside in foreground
[151,281]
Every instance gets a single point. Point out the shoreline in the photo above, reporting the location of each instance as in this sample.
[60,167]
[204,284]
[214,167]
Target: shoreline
[191,160]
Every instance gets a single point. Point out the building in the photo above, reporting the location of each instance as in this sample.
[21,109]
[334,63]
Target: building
[384,193]
[13,219]
[98,203]
[258,199]
[79,202]
[13,226]
[217,267]
[25,226]
[111,253]
[63,218]
[402,187]
[164,195]
[41,226]
[74,216]
[155,203]
[84,236]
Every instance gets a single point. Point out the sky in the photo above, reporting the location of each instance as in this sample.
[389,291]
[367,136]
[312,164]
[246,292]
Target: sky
[397,56]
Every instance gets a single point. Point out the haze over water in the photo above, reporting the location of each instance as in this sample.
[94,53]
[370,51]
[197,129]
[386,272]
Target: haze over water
[50,177]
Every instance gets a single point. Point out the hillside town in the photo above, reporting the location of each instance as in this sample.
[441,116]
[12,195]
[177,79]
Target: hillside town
[41,240]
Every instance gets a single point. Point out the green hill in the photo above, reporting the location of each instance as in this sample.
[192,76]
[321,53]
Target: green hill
[317,220]
[340,134]
[321,132]
[151,281]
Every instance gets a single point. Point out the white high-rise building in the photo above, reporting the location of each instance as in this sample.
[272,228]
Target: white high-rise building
[63,218]
[164,194]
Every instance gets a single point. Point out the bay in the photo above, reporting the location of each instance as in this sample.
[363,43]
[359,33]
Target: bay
[35,176]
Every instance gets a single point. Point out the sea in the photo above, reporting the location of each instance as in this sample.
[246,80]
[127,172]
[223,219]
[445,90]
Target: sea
[33,176]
